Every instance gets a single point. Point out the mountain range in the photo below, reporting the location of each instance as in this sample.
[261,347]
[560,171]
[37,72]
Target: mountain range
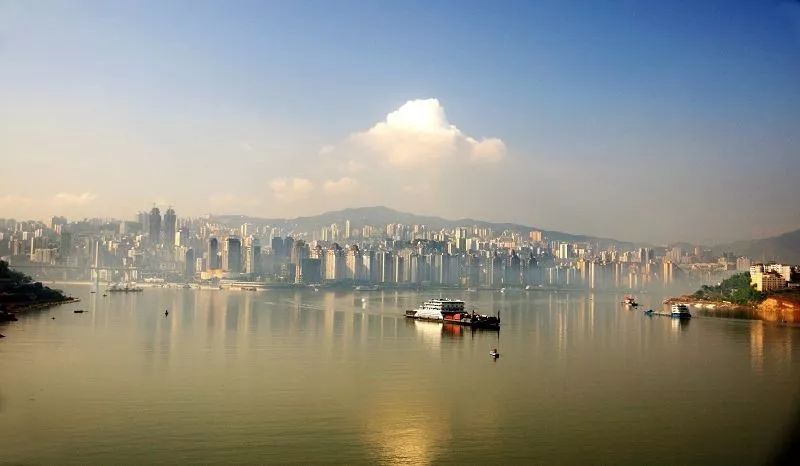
[785,247]
[782,248]
[380,215]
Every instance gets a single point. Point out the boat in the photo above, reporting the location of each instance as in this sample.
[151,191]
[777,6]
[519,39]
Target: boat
[126,288]
[681,311]
[78,311]
[494,354]
[451,311]
[630,301]
[367,288]
[649,312]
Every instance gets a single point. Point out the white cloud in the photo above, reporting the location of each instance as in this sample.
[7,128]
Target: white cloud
[344,185]
[291,189]
[74,199]
[418,133]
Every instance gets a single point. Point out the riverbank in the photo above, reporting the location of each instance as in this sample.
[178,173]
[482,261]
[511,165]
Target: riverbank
[777,307]
[11,310]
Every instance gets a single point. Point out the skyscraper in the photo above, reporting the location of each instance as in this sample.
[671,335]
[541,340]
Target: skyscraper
[252,255]
[277,246]
[213,254]
[189,263]
[154,222]
[232,259]
[170,221]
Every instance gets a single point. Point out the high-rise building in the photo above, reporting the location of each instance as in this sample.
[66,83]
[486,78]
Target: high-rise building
[170,223]
[181,237]
[743,264]
[232,255]
[252,255]
[288,244]
[65,248]
[154,223]
[277,246]
[353,263]
[334,263]
[246,230]
[189,263]
[347,229]
[213,254]
[299,252]
[511,274]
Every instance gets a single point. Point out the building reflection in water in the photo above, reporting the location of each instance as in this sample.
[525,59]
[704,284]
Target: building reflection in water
[757,346]
[679,325]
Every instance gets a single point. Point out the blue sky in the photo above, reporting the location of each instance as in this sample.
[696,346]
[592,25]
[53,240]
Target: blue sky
[681,115]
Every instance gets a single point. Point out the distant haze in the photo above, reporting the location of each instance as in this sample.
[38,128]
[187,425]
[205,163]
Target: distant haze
[640,121]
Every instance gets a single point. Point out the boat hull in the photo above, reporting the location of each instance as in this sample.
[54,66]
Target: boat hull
[483,324]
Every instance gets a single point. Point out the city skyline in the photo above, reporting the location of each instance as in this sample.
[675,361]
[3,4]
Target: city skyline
[640,123]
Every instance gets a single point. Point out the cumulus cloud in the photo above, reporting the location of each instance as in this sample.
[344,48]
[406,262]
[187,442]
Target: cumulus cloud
[291,189]
[73,199]
[344,185]
[418,133]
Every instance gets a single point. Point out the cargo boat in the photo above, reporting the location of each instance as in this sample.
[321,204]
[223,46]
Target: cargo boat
[451,311]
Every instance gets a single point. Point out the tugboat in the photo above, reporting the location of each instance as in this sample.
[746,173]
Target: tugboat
[451,311]
[681,311]
[630,301]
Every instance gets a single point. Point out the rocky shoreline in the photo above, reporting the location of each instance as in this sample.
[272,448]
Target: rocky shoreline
[10,311]
[775,308]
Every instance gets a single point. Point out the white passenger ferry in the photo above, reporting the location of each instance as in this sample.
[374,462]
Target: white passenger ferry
[452,311]
[681,311]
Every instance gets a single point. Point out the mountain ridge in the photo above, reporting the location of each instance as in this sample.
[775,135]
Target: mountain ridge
[781,248]
[379,215]
[784,247]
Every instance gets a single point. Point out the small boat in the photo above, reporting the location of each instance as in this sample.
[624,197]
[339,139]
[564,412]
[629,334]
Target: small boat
[630,301]
[124,288]
[92,292]
[494,354]
[78,311]
[648,312]
[367,288]
[681,311]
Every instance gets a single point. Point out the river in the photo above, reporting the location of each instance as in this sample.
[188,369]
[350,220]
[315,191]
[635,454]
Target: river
[289,376]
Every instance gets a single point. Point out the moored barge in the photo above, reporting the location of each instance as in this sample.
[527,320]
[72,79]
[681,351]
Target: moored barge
[451,311]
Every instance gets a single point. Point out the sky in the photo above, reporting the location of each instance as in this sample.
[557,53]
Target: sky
[637,120]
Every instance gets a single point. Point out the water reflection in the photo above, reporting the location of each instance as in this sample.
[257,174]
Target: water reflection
[757,346]
[364,383]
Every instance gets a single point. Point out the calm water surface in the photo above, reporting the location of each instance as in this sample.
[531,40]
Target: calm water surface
[286,376]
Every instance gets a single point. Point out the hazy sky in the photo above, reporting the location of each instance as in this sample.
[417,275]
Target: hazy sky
[637,120]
